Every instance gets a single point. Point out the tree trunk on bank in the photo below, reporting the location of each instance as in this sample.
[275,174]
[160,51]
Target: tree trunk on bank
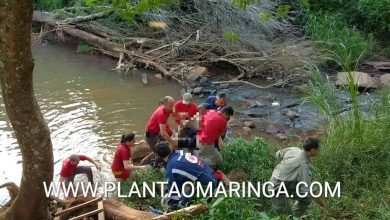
[31,130]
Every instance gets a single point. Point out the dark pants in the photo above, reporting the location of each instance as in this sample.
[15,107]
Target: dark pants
[80,170]
[282,205]
[152,140]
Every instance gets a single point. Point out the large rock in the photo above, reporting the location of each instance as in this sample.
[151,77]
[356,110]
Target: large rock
[140,151]
[197,90]
[291,114]
[203,81]
[271,129]
[363,80]
[385,80]
[195,73]
[246,130]
[249,124]
[281,136]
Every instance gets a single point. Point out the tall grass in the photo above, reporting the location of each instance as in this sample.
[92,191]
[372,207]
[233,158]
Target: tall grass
[355,152]
[338,41]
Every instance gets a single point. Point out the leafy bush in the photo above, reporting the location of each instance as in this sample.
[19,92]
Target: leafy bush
[48,5]
[255,158]
[369,16]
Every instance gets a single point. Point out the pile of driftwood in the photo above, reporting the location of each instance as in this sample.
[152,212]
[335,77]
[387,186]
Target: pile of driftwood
[173,50]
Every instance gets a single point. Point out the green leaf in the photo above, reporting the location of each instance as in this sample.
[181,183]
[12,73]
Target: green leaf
[283,10]
[242,3]
[304,2]
[217,202]
[90,2]
[231,36]
[265,16]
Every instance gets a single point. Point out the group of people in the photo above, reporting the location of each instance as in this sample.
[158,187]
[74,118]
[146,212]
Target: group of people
[191,151]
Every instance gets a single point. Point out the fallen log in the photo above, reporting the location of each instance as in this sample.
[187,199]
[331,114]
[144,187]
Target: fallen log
[190,211]
[116,210]
[80,19]
[110,48]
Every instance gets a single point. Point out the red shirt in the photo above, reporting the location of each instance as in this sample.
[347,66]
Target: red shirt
[212,127]
[188,110]
[122,153]
[68,168]
[160,116]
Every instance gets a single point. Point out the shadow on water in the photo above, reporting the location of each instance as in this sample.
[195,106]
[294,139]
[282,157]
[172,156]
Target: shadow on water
[86,105]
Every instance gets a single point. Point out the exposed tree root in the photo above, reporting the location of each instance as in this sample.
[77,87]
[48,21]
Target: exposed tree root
[13,191]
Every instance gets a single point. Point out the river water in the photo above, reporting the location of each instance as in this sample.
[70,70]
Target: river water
[86,105]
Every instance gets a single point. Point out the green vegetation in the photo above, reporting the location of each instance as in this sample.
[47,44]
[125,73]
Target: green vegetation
[256,158]
[140,177]
[355,152]
[336,40]
[48,5]
[84,48]
[231,37]
[369,16]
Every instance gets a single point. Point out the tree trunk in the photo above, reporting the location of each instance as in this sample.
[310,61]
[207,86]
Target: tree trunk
[31,131]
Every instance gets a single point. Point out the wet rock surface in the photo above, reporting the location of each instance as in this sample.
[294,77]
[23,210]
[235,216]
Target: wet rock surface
[256,113]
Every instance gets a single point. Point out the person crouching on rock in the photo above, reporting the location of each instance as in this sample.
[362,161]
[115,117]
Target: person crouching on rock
[70,168]
[122,165]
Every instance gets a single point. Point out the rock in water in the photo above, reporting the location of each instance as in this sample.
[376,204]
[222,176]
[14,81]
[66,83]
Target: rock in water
[363,80]
[145,78]
[281,136]
[246,130]
[197,90]
[203,81]
[271,129]
[385,80]
[249,124]
[291,114]
[225,86]
[195,73]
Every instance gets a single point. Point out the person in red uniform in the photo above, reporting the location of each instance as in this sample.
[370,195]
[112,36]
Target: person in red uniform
[184,109]
[122,165]
[70,168]
[158,127]
[213,127]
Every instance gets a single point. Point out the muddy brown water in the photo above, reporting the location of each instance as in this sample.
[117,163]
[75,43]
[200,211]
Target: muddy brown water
[86,105]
